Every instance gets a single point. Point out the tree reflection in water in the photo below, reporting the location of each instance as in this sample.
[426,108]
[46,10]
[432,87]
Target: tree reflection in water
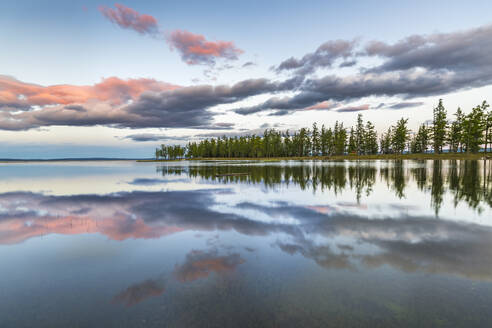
[468,181]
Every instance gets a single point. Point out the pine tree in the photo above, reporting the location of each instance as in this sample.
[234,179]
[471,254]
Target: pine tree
[421,140]
[386,142]
[400,136]
[439,127]
[340,138]
[315,141]
[474,127]
[352,144]
[455,132]
[370,139]
[488,128]
[359,135]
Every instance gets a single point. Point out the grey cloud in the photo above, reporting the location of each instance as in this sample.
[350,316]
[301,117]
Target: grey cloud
[189,106]
[417,66]
[248,64]
[402,105]
[353,108]
[405,84]
[143,137]
[76,108]
[464,51]
[324,56]
[186,107]
[349,63]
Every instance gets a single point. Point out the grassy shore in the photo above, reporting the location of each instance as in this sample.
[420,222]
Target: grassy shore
[445,156]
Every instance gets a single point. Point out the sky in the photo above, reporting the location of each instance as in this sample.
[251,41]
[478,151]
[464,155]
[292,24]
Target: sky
[106,79]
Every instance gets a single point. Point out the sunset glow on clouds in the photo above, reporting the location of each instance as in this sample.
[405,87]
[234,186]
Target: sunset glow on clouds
[194,49]
[128,18]
[150,66]
[18,94]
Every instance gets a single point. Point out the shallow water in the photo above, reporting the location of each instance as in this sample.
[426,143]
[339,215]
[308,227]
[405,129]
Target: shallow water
[289,244]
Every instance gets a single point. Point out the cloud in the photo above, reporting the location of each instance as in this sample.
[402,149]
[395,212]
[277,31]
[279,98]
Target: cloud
[462,51]
[129,18]
[195,49]
[139,292]
[199,264]
[114,90]
[349,63]
[408,104]
[248,64]
[322,105]
[417,66]
[76,108]
[353,108]
[143,137]
[133,103]
[323,57]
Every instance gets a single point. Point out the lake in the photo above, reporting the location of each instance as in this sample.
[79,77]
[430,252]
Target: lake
[246,244]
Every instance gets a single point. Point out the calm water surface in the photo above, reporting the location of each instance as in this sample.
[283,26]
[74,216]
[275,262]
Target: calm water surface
[285,244]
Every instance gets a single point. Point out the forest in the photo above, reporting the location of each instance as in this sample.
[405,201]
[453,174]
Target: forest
[459,132]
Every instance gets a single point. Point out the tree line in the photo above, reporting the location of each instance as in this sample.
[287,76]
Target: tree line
[457,133]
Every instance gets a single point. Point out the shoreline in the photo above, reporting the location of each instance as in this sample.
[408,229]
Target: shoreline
[445,156]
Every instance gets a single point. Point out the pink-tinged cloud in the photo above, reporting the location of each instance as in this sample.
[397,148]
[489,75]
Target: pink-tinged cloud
[195,49]
[114,90]
[131,19]
[322,105]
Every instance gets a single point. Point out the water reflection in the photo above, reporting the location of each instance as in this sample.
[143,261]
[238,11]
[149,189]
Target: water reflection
[402,240]
[469,181]
[199,264]
[138,292]
[354,244]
